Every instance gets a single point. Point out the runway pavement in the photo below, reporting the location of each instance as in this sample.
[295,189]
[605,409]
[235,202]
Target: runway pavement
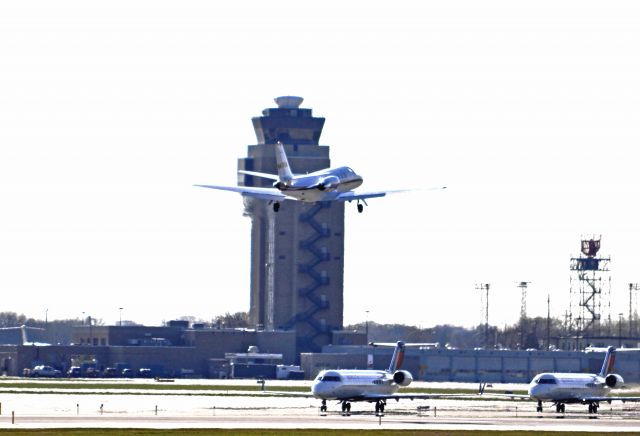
[146,410]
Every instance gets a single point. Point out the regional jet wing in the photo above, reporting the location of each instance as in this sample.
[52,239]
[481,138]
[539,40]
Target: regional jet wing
[609,399]
[272,194]
[397,397]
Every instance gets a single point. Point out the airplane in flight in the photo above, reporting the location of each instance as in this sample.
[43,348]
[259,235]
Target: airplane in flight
[374,386]
[573,388]
[330,184]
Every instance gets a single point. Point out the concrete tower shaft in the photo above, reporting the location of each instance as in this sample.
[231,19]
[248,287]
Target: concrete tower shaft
[297,254]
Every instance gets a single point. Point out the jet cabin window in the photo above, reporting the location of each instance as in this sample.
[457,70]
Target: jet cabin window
[330,378]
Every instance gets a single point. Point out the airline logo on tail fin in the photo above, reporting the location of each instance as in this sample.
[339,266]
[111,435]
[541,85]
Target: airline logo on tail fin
[284,170]
[397,358]
[609,361]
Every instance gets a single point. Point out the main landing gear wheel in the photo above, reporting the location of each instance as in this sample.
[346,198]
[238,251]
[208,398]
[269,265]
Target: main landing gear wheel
[276,207]
[539,408]
[346,407]
[379,407]
[593,408]
[360,207]
[560,408]
[323,408]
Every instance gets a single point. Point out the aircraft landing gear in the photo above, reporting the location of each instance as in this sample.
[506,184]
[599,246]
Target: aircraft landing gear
[559,408]
[539,408]
[323,408]
[360,207]
[276,206]
[380,407]
[593,407]
[346,408]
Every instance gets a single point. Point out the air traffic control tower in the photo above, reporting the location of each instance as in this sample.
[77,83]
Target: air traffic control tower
[297,253]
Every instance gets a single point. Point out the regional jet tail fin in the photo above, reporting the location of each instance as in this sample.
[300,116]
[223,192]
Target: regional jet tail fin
[398,354]
[609,360]
[284,170]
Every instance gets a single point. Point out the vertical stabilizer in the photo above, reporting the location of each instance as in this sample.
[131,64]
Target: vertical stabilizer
[397,358]
[284,170]
[609,360]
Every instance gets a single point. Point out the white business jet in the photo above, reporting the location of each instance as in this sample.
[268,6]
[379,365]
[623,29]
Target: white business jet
[374,386]
[571,388]
[330,184]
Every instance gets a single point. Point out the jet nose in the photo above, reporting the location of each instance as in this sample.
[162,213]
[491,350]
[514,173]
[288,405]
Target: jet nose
[533,391]
[315,389]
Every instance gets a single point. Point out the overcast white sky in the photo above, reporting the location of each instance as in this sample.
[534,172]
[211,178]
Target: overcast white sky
[110,110]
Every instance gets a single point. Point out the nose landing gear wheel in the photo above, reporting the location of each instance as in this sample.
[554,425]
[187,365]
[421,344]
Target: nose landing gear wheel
[360,207]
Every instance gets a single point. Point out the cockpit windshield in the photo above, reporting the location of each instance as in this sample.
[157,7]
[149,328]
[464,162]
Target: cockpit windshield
[330,378]
[547,380]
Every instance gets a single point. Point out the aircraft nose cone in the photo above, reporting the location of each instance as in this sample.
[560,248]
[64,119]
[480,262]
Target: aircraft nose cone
[533,391]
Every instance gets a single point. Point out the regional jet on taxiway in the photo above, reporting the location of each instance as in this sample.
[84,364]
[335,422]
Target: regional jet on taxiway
[330,184]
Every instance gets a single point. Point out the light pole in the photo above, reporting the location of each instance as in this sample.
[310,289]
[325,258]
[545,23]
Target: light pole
[121,317]
[620,330]
[366,325]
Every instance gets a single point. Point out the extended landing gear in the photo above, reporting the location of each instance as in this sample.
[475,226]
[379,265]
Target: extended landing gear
[593,407]
[380,407]
[361,205]
[323,408]
[539,408]
[560,408]
[276,206]
[346,408]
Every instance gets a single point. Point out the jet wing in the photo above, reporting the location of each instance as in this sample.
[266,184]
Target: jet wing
[249,191]
[353,195]
[398,397]
[609,399]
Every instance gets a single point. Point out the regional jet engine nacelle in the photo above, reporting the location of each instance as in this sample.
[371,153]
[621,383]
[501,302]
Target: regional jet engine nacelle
[329,183]
[402,378]
[614,381]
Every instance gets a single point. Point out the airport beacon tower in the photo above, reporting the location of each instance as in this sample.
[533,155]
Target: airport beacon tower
[297,253]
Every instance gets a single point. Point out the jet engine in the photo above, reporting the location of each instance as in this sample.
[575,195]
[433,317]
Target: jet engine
[329,183]
[402,378]
[614,380]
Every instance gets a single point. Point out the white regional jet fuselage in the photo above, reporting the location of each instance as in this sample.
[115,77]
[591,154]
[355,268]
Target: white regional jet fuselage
[566,388]
[338,384]
[375,386]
